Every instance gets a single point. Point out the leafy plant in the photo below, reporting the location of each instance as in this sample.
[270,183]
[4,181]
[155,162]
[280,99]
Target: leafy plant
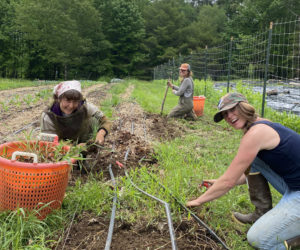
[21,228]
[28,99]
[4,105]
[46,152]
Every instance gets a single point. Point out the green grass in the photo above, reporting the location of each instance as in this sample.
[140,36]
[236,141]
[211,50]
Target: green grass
[20,83]
[150,95]
[22,230]
[91,196]
[113,100]
[204,151]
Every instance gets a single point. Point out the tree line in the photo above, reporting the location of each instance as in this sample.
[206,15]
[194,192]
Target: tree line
[88,39]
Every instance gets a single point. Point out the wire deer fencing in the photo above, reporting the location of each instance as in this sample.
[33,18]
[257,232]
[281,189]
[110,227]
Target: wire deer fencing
[269,62]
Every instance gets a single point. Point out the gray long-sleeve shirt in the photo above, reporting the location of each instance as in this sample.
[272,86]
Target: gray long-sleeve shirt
[186,88]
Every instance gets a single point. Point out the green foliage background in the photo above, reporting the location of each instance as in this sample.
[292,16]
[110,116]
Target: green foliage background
[88,39]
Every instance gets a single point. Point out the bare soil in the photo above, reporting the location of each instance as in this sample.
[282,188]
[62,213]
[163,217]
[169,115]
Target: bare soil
[90,232]
[132,129]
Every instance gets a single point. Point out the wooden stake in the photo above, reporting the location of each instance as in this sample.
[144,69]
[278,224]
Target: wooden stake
[163,103]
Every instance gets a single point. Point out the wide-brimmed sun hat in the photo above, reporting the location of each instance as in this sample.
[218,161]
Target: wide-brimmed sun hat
[227,102]
[185,66]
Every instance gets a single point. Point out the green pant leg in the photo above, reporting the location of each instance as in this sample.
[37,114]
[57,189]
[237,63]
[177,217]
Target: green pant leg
[178,111]
[184,107]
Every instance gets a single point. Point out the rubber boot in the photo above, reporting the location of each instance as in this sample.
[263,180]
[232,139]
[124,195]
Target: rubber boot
[292,243]
[260,197]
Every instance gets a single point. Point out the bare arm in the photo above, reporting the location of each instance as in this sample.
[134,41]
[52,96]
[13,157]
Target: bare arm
[253,141]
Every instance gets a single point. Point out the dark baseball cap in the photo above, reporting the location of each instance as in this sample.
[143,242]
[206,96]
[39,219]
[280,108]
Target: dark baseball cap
[227,102]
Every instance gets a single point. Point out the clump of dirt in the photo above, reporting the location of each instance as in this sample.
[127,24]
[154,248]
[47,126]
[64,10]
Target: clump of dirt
[114,152]
[140,235]
[130,141]
[163,128]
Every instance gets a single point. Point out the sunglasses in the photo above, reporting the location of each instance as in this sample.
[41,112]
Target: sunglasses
[182,70]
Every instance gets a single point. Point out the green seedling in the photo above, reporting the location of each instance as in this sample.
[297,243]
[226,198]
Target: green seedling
[5,106]
[28,99]
[46,153]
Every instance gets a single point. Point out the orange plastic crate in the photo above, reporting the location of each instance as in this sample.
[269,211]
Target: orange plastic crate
[32,185]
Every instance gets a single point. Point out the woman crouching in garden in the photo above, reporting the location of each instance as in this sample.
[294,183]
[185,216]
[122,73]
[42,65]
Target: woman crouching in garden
[273,151]
[72,118]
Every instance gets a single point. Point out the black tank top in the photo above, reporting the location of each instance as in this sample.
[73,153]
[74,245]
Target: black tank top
[285,158]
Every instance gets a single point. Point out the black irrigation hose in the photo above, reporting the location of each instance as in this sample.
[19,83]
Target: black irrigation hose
[25,127]
[191,213]
[113,212]
[184,207]
[69,228]
[167,207]
[21,129]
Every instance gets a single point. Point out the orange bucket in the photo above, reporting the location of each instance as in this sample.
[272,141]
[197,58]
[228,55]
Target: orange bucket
[32,185]
[199,104]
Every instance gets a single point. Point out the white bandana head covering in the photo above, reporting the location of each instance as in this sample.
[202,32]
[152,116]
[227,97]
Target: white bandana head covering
[65,86]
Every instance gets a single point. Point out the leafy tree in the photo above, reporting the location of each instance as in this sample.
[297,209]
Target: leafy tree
[255,15]
[207,30]
[196,3]
[175,27]
[124,29]
[165,24]
[12,46]
[64,31]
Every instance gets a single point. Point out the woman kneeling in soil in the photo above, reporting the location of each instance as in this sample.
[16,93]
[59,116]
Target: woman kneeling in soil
[72,118]
[185,91]
[273,150]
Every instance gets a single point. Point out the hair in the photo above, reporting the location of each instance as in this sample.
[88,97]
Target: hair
[247,112]
[69,95]
[190,73]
